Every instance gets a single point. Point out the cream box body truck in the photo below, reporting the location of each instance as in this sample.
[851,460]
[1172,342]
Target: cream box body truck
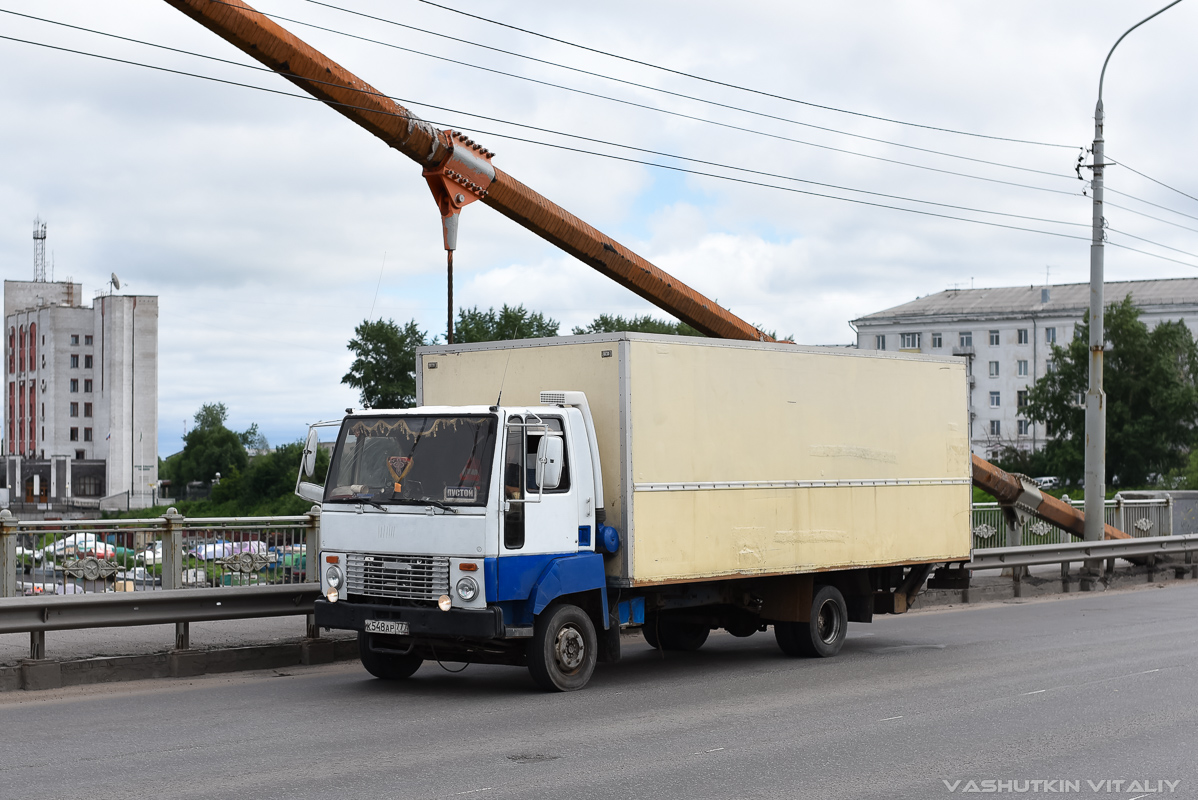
[547,493]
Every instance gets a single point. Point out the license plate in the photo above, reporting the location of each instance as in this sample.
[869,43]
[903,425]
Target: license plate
[387,626]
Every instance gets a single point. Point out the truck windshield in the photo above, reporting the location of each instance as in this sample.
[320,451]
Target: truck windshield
[430,460]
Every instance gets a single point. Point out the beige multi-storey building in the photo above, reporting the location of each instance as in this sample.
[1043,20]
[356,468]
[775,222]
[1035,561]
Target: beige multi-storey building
[81,398]
[1006,335]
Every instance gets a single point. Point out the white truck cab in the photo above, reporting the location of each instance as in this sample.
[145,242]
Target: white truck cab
[447,532]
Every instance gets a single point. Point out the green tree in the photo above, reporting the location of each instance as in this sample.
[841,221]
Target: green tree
[267,484]
[208,448]
[608,323]
[1151,383]
[384,366]
[508,322]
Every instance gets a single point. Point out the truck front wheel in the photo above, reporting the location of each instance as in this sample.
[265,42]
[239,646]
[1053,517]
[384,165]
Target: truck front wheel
[563,649]
[386,666]
[823,635]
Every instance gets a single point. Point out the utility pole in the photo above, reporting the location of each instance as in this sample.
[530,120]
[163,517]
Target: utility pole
[1095,397]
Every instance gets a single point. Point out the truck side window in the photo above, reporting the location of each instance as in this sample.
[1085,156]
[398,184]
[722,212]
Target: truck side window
[554,424]
[513,461]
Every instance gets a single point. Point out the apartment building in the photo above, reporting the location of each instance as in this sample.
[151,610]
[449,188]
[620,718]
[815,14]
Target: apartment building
[81,397]
[1005,334]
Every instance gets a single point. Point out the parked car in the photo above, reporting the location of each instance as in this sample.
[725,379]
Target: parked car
[77,544]
[1048,482]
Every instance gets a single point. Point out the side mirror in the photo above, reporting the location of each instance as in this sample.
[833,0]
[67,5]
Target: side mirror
[310,448]
[310,491]
[551,453]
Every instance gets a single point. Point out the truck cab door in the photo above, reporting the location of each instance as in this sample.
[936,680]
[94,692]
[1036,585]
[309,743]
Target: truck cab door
[537,519]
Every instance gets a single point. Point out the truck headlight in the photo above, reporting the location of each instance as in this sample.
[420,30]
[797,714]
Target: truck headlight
[467,589]
[333,576]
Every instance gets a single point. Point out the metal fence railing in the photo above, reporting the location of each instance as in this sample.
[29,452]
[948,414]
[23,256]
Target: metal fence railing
[1138,518]
[167,552]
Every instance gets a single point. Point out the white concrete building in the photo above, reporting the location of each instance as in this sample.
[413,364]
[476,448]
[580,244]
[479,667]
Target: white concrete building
[81,397]
[1005,334]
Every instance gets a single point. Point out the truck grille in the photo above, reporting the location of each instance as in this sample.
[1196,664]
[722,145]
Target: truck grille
[397,576]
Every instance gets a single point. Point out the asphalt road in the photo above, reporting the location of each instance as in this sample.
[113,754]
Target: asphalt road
[1087,688]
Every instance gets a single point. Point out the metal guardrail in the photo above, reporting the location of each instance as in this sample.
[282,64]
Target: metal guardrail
[110,610]
[167,552]
[1139,518]
[1027,556]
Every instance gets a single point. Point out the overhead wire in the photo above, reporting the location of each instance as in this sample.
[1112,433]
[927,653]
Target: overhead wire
[610,156]
[1150,178]
[1149,203]
[539,129]
[647,87]
[715,82]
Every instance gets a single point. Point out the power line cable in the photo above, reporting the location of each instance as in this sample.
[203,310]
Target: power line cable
[1150,178]
[718,82]
[651,88]
[1150,203]
[1149,241]
[1149,216]
[610,156]
[258,68]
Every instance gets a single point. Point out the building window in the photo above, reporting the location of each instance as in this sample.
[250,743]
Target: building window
[1025,427]
[1021,398]
[87,385]
[74,361]
[87,434]
[1049,366]
[74,409]
[87,362]
[937,341]
[1022,368]
[880,342]
[87,409]
[1023,335]
[993,369]
[995,398]
[87,339]
[89,485]
[74,384]
[79,455]
[74,434]
[994,340]
[965,338]
[909,341]
[74,338]
[1050,335]
[995,427]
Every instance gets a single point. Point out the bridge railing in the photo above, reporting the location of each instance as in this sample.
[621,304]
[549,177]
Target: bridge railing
[1139,518]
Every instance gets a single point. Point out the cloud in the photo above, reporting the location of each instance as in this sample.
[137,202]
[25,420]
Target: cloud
[269,226]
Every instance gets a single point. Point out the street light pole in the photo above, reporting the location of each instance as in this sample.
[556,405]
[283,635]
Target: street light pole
[1095,398]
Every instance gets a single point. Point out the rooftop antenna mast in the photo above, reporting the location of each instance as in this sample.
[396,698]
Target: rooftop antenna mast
[39,250]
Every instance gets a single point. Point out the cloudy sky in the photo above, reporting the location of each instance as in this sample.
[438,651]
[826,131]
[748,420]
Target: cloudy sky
[270,226]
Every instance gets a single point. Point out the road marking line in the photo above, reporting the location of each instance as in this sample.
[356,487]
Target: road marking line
[718,749]
[472,791]
[1038,691]
[900,716]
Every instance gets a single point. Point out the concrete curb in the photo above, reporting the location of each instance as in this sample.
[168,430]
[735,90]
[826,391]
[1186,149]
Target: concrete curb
[51,674]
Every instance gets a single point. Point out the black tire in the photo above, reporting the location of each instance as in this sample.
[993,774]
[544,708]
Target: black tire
[563,649]
[823,636]
[386,666]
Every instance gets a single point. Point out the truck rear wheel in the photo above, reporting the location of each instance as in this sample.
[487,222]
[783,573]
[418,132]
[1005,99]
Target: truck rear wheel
[824,634]
[563,649]
[386,666]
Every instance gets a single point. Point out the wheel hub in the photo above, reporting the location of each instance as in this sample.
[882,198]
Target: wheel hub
[569,648]
[828,623]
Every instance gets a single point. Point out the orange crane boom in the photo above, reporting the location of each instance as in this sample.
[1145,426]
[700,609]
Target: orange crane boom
[459,172]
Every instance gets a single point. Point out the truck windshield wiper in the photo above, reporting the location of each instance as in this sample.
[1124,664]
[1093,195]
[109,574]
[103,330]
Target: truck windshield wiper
[412,501]
[355,498]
